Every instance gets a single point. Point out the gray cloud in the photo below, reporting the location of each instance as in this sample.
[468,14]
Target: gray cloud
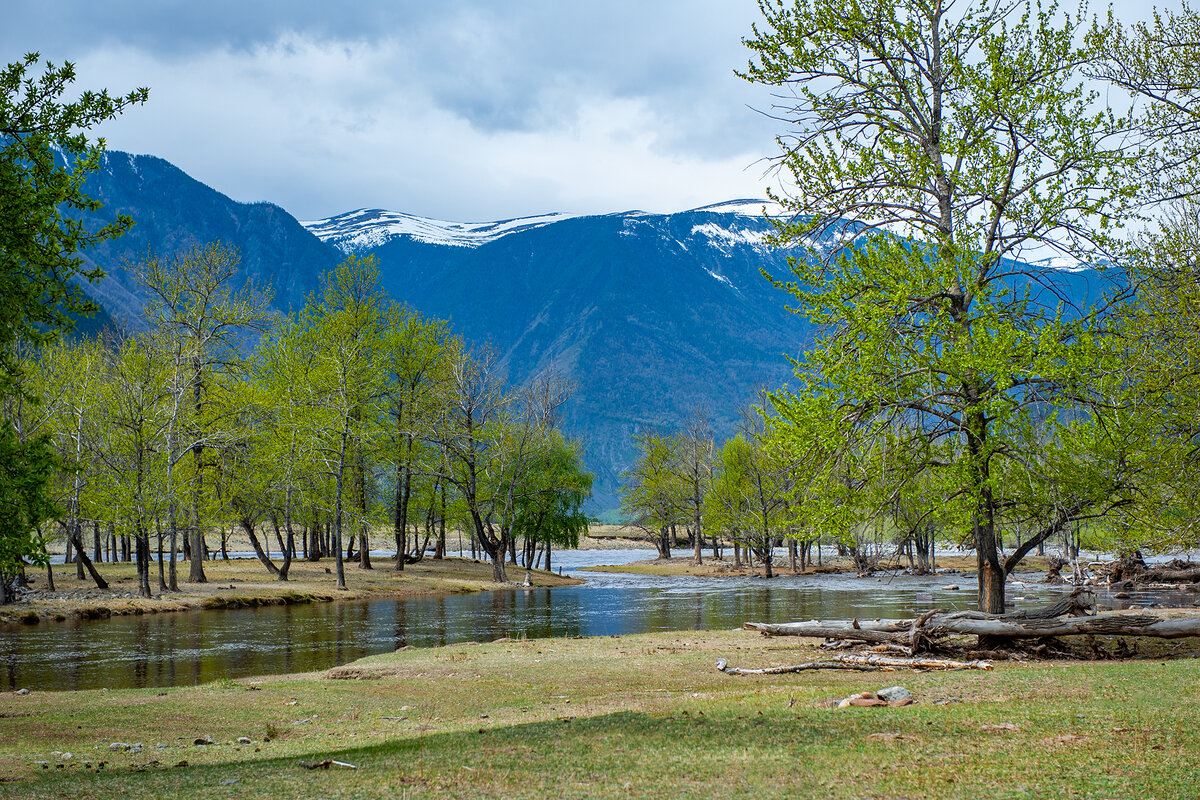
[463,109]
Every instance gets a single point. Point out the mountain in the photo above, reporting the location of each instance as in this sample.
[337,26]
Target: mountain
[652,315]
[173,212]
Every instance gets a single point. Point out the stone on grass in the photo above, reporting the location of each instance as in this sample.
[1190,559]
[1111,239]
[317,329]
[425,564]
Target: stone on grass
[894,693]
[244,740]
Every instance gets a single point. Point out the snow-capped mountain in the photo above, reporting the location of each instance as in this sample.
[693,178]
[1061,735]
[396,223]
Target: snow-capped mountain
[367,228]
[652,315]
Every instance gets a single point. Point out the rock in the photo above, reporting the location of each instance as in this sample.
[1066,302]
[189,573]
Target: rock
[67,756]
[244,740]
[945,701]
[894,693]
[22,691]
[867,702]
[202,740]
[1121,596]
[908,701]
[953,587]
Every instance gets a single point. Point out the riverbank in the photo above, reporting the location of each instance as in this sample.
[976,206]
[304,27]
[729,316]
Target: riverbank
[245,583]
[956,565]
[642,716]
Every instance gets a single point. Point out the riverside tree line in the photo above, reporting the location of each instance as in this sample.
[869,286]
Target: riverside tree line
[934,153]
[353,414]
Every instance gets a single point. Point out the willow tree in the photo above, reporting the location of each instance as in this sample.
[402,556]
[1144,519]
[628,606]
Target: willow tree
[934,148]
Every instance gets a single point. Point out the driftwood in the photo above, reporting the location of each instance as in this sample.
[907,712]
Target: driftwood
[861,663]
[900,631]
[1135,571]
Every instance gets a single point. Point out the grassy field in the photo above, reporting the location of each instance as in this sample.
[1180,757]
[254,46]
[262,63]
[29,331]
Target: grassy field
[642,716]
[245,582]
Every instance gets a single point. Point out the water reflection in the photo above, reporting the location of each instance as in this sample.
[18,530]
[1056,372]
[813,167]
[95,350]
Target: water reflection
[197,647]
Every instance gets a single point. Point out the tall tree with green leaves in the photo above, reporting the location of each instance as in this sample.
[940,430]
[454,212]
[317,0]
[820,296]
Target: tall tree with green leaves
[203,319]
[345,385]
[651,490]
[932,145]
[419,356]
[550,509]
[45,158]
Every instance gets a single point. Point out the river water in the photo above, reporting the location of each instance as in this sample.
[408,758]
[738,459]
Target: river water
[185,648]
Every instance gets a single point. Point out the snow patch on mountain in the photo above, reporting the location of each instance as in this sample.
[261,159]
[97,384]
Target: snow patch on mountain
[722,236]
[367,228]
[1063,263]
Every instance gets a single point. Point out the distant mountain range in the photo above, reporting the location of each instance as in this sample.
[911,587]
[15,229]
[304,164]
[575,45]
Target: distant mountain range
[652,315]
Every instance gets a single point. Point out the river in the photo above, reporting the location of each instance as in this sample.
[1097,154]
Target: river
[158,650]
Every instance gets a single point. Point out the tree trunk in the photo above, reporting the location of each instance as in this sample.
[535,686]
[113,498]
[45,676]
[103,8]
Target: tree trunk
[248,527]
[86,563]
[162,578]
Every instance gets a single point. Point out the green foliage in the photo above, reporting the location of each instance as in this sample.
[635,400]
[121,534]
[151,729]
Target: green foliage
[940,144]
[45,158]
[26,467]
[550,505]
[651,490]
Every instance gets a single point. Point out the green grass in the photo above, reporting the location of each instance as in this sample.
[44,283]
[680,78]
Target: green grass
[637,716]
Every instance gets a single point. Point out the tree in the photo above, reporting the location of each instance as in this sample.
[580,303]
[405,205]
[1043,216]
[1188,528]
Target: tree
[749,497]
[1158,62]
[45,158]
[490,440]
[550,510]
[345,384]
[651,492]
[694,449]
[1159,352]
[202,319]
[419,354]
[136,396]
[932,148]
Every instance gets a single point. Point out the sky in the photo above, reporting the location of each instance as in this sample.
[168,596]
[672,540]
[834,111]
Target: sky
[466,110]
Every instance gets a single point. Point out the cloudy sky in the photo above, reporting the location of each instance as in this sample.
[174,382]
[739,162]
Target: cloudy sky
[467,110]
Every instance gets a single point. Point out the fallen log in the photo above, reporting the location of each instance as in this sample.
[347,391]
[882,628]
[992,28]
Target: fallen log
[861,663]
[964,623]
